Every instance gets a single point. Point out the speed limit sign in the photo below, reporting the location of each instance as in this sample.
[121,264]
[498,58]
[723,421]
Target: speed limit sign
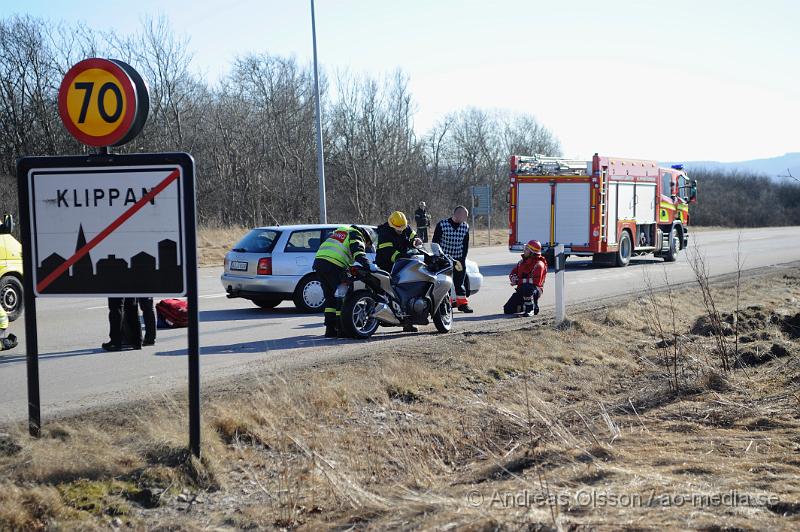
[103,102]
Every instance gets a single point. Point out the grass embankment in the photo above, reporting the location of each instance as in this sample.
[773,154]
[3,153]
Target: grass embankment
[579,426]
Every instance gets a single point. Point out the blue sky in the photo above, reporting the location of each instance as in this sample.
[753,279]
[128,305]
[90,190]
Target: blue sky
[678,80]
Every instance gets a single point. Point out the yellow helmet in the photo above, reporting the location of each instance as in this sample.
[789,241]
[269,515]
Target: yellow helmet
[398,220]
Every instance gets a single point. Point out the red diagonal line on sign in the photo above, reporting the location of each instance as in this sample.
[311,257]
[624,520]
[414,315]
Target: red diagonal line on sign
[55,274]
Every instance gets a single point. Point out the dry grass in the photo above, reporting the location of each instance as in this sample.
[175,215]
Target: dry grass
[584,418]
[214,242]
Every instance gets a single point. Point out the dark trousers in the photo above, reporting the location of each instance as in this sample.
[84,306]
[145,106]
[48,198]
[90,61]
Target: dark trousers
[330,276]
[123,321]
[524,298]
[422,234]
[149,317]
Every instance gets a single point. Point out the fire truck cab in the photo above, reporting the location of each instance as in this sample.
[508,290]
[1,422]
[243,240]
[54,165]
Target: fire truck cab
[609,208]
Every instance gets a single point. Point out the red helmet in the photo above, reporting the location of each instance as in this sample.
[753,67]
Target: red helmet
[534,246]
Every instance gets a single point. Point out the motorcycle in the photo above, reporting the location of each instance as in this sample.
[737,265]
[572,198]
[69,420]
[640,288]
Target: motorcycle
[417,288]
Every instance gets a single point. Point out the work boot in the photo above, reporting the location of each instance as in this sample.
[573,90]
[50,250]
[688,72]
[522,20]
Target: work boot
[331,332]
[465,309]
[149,341]
[410,328]
[108,346]
[535,309]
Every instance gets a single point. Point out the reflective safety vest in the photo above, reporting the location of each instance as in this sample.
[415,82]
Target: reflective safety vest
[3,319]
[343,247]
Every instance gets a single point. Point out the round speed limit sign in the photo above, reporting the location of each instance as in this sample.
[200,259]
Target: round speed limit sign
[103,102]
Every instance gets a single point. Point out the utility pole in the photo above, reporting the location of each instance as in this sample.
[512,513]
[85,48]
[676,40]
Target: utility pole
[323,209]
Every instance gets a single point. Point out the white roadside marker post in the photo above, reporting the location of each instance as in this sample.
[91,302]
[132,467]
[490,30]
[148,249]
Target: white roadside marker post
[560,266]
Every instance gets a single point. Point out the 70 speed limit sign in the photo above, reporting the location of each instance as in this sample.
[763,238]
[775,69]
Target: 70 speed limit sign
[103,102]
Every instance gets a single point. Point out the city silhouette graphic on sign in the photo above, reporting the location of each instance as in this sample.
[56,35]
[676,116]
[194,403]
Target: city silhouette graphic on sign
[115,275]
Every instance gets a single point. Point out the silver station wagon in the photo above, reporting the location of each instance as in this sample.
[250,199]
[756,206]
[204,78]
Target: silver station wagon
[273,264]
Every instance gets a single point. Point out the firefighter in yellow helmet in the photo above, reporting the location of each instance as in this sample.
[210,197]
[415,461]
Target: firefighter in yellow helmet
[395,238]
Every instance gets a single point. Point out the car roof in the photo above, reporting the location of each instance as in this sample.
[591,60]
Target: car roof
[297,227]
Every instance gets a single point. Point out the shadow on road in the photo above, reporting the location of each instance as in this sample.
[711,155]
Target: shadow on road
[236,314]
[8,359]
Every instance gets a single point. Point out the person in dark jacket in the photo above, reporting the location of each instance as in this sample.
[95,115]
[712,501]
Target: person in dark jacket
[395,239]
[452,235]
[423,220]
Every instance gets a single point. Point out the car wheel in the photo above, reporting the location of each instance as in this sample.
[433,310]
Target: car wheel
[11,297]
[267,302]
[308,296]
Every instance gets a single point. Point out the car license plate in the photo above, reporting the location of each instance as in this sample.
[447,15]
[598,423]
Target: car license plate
[239,266]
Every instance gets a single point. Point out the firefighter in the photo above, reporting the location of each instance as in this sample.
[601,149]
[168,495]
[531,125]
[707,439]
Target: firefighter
[528,278]
[346,245]
[423,220]
[452,235]
[395,238]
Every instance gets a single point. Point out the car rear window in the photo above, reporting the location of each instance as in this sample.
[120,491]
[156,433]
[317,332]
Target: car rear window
[258,241]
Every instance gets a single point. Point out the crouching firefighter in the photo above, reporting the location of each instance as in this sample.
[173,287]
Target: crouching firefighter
[528,278]
[346,245]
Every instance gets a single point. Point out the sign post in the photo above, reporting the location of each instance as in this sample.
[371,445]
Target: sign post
[482,205]
[560,266]
[108,225]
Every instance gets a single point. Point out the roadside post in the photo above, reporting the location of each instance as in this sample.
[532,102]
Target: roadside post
[482,206]
[560,267]
[108,225]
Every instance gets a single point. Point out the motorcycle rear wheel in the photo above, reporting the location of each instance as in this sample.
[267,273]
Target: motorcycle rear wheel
[357,320]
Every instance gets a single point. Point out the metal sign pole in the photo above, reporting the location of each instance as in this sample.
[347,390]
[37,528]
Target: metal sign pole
[560,266]
[31,330]
[193,309]
[472,210]
[489,214]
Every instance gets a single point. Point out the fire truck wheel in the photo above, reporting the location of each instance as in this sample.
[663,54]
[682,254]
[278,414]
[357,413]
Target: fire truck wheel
[624,250]
[674,246]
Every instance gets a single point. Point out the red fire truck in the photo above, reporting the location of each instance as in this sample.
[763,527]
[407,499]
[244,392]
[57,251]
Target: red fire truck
[608,208]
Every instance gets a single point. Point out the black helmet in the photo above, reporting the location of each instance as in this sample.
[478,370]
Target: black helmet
[366,234]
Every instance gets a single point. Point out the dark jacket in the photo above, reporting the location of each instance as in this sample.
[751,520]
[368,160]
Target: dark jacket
[422,218]
[392,244]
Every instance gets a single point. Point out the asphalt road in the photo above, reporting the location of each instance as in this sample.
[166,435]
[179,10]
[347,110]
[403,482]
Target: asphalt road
[237,337]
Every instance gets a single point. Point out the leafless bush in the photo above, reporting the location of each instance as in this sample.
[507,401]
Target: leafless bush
[252,133]
[701,273]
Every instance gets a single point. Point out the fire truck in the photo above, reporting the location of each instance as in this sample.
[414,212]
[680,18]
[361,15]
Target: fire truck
[608,208]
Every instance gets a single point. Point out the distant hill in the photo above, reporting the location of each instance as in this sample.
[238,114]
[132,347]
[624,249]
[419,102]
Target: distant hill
[773,167]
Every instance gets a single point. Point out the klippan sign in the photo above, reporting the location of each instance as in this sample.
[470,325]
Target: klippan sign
[108,231]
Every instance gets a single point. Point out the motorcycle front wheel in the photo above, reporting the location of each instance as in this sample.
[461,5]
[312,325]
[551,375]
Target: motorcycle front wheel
[357,320]
[443,317]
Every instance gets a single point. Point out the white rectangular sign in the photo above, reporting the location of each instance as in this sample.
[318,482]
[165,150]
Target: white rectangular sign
[108,231]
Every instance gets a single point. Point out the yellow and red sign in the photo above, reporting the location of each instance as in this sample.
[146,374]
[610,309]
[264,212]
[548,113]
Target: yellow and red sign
[103,102]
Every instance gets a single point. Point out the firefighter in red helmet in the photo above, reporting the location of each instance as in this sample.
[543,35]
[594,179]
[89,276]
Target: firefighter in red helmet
[528,278]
